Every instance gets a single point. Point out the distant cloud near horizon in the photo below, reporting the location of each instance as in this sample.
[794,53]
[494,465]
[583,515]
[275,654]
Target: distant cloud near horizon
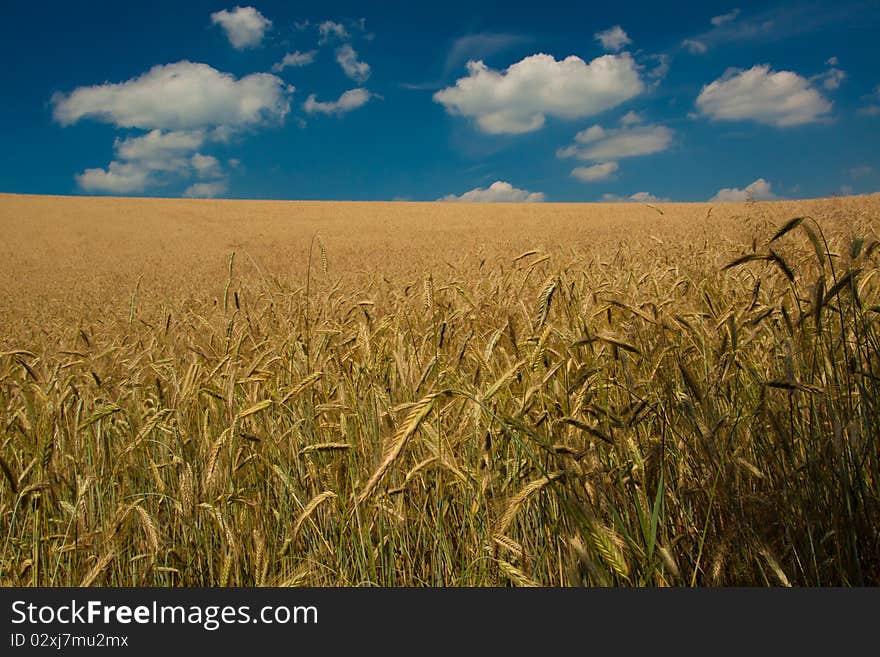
[206,190]
[757,191]
[498,192]
[638,197]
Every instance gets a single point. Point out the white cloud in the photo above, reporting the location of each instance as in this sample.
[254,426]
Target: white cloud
[695,47]
[160,151]
[498,192]
[600,145]
[330,30]
[518,99]
[244,26]
[206,190]
[596,172]
[295,59]
[350,100]
[725,18]
[846,190]
[631,118]
[206,166]
[117,178]
[347,58]
[757,191]
[179,96]
[614,38]
[638,197]
[155,158]
[760,94]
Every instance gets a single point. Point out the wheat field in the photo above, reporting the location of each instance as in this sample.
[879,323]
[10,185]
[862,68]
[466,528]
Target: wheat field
[248,393]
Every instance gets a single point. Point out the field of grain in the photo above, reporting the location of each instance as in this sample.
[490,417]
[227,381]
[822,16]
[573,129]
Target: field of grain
[203,393]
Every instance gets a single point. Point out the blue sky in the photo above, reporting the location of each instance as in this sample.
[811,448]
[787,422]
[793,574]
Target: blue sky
[553,101]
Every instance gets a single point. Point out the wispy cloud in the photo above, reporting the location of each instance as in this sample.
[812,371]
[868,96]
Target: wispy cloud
[354,68]
[348,101]
[295,60]
[730,16]
[478,46]
[774,24]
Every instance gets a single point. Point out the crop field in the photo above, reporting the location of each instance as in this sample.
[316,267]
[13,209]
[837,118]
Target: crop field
[248,393]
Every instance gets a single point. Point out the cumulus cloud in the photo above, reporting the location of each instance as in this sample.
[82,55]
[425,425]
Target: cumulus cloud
[757,191]
[601,145]
[244,26]
[330,30]
[595,173]
[498,192]
[614,38]
[206,190]
[695,47]
[160,151]
[118,178]
[155,158]
[295,59]
[717,21]
[347,58]
[638,197]
[760,94]
[518,99]
[182,107]
[348,101]
[180,96]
